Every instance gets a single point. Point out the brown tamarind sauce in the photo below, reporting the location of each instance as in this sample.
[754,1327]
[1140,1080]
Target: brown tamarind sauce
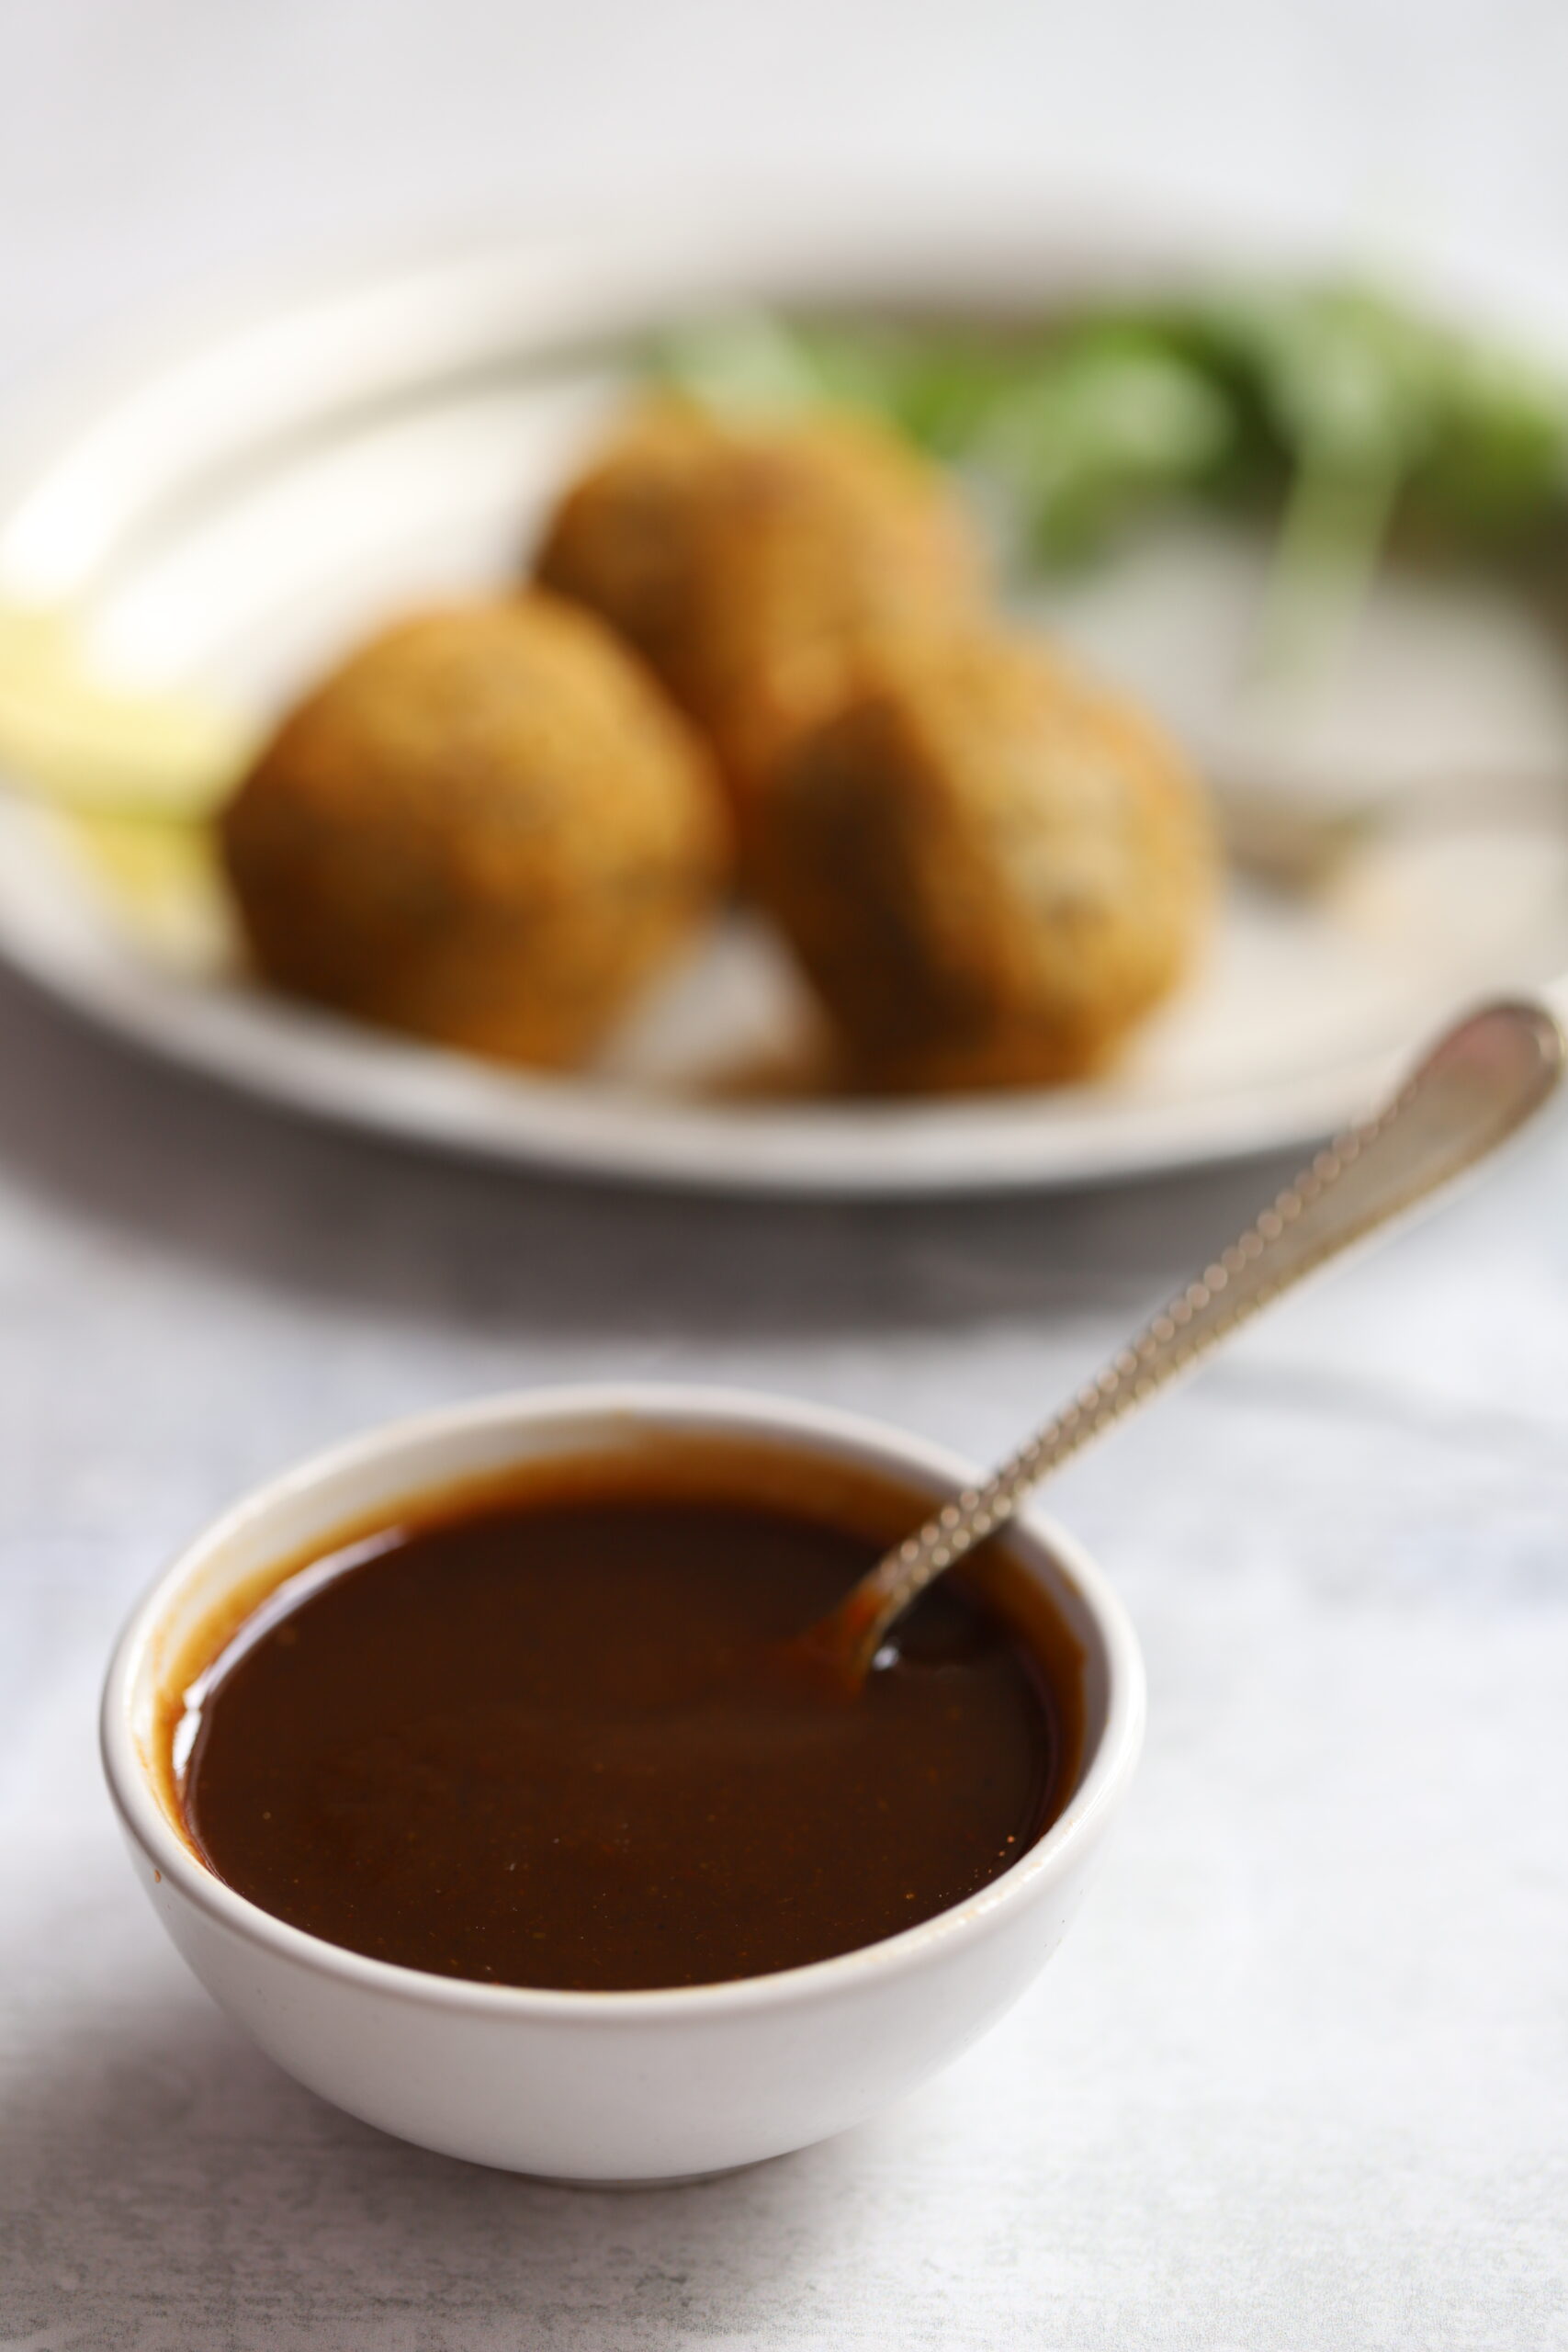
[533,1743]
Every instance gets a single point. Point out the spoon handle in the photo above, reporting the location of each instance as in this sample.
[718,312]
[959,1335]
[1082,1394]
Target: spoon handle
[1480,1083]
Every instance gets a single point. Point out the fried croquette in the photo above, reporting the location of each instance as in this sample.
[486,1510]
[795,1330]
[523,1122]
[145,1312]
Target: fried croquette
[746,562]
[489,826]
[618,539]
[988,868]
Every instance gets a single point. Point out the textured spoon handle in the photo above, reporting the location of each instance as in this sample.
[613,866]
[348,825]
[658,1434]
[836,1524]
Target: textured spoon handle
[1477,1085]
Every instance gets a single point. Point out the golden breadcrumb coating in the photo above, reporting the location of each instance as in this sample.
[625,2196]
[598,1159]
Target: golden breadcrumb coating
[487,826]
[989,867]
[618,538]
[746,562]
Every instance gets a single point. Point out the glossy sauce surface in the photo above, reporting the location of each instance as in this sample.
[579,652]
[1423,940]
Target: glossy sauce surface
[542,1745]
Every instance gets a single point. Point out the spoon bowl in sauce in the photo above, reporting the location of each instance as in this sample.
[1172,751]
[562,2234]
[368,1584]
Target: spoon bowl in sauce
[437,1664]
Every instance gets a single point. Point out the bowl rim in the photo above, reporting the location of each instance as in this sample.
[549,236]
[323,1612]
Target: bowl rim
[1109,1763]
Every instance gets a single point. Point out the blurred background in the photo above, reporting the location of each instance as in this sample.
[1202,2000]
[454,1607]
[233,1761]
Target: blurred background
[151,151]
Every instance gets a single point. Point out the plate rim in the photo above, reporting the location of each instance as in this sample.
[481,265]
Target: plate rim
[313,1063]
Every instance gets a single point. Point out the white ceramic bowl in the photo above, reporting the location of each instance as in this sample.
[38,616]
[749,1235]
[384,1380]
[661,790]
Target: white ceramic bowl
[608,2086]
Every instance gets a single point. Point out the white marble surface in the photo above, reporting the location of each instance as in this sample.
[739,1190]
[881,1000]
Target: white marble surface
[1300,2078]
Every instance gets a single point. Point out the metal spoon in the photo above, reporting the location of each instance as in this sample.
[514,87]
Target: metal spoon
[1477,1085]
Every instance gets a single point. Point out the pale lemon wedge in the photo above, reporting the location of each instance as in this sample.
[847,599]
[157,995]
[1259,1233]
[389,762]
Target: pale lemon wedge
[93,748]
[129,780]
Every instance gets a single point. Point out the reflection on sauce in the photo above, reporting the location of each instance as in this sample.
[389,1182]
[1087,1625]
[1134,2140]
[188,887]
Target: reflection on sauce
[538,1744]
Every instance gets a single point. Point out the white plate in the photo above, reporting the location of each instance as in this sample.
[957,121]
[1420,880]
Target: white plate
[234,516]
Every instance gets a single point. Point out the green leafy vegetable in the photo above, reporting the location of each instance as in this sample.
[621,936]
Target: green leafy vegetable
[1113,421]
[1356,419]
